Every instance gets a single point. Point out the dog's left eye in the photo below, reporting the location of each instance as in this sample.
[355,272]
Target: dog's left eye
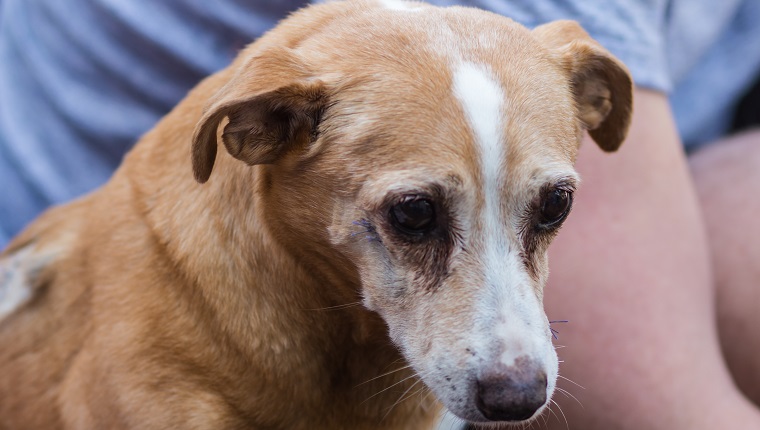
[414,216]
[555,205]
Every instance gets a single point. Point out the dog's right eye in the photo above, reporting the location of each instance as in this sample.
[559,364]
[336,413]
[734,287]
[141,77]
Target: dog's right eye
[413,216]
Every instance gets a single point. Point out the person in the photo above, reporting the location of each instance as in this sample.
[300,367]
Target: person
[655,269]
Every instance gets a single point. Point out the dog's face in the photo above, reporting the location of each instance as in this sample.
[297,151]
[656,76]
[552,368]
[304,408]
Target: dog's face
[429,154]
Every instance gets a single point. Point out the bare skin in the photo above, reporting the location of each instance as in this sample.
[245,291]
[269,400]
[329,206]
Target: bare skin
[632,271]
[727,176]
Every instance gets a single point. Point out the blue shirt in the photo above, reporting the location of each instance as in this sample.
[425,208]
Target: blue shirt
[81,80]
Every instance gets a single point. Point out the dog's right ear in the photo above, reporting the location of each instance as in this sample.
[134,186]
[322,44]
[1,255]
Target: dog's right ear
[273,106]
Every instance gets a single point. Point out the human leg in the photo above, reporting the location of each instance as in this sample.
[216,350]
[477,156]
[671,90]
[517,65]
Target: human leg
[727,178]
[631,272]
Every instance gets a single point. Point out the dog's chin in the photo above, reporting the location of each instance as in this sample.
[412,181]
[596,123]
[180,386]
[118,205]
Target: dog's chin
[501,425]
[475,420]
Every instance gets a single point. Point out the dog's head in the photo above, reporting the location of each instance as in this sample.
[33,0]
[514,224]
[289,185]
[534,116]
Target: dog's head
[428,154]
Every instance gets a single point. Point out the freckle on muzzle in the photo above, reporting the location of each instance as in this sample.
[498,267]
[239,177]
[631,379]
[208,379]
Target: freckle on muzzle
[511,393]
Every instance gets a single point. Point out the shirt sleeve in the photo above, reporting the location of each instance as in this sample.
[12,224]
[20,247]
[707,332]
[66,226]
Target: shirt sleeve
[81,80]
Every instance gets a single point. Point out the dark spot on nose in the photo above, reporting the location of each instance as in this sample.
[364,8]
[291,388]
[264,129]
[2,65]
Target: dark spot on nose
[511,393]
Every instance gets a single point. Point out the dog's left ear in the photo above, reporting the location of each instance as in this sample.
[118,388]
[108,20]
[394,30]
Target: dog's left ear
[273,107]
[601,84]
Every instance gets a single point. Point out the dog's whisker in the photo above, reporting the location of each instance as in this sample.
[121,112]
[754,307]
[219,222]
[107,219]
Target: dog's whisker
[554,414]
[389,387]
[402,398]
[423,403]
[430,393]
[545,419]
[336,307]
[423,393]
[384,374]
[393,363]
[572,382]
[419,392]
[398,401]
[567,424]
[568,394]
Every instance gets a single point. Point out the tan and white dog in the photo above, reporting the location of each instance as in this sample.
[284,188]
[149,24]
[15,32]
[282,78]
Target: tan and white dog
[374,230]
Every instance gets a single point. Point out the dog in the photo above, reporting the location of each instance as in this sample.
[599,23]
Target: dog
[366,246]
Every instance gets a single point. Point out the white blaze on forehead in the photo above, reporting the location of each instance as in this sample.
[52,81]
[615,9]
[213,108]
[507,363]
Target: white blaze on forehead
[507,301]
[483,98]
[397,5]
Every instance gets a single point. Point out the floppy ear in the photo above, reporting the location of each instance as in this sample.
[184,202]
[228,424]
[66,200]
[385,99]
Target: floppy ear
[601,84]
[273,106]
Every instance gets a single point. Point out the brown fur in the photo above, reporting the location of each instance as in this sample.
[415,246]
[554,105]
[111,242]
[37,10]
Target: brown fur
[171,304]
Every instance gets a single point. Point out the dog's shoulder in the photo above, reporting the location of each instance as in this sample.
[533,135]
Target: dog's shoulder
[28,265]
[19,277]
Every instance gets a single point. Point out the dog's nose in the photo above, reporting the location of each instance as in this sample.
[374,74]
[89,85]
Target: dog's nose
[511,393]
